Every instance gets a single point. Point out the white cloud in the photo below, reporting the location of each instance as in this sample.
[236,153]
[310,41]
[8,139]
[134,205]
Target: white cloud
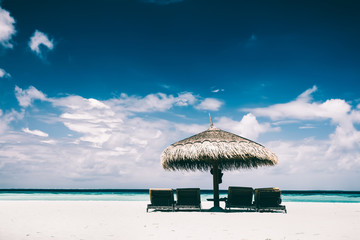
[153,102]
[7,118]
[340,152]
[51,141]
[309,156]
[4,74]
[306,96]
[307,126]
[345,137]
[40,39]
[7,28]
[35,132]
[96,120]
[26,97]
[306,155]
[90,117]
[191,129]
[77,102]
[211,104]
[248,127]
[185,99]
[217,90]
[304,109]
[100,122]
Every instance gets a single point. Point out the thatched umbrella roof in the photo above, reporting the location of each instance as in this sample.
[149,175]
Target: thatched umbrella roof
[231,151]
[217,150]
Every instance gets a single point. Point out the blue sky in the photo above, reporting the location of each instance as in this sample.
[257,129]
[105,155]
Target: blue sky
[91,92]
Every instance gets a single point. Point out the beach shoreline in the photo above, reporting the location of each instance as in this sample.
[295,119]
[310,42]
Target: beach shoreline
[129,220]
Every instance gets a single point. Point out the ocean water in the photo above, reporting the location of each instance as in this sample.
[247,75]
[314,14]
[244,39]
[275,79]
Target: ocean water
[143,195]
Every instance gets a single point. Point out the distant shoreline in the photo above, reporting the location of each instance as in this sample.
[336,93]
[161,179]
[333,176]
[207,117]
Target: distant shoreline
[43,190]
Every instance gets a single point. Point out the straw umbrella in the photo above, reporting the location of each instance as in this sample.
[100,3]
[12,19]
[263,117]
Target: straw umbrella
[217,150]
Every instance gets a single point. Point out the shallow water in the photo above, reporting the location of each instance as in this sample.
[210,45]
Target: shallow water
[143,195]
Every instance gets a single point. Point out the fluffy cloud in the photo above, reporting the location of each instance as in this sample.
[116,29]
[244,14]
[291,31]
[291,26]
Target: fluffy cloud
[317,163]
[248,127]
[26,97]
[78,103]
[90,117]
[7,118]
[340,152]
[40,39]
[153,102]
[102,122]
[35,132]
[4,74]
[304,109]
[211,104]
[7,28]
[108,142]
[99,122]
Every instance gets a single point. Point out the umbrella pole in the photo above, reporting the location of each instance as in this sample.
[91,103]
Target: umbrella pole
[216,184]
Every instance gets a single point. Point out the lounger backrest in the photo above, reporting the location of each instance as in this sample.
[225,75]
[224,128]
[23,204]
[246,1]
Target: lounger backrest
[161,197]
[188,196]
[268,197]
[240,195]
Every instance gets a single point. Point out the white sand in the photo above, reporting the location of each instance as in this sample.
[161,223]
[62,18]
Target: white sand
[99,220]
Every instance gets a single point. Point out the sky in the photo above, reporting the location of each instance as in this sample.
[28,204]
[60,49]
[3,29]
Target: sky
[92,92]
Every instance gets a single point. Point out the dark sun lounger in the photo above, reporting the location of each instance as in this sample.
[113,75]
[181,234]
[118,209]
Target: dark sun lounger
[161,199]
[188,198]
[268,199]
[240,197]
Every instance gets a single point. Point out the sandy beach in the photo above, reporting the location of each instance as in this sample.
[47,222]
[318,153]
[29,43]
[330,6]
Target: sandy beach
[129,220]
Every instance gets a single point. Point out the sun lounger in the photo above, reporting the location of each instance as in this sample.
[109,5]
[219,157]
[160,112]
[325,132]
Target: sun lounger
[268,199]
[161,199]
[188,198]
[240,197]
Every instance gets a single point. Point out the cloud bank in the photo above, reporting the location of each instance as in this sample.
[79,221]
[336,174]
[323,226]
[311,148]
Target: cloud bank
[74,141]
[335,155]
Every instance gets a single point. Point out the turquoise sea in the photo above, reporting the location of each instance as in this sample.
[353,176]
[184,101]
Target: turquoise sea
[143,195]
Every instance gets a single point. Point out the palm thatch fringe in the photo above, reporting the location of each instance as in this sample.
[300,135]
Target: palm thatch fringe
[197,153]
